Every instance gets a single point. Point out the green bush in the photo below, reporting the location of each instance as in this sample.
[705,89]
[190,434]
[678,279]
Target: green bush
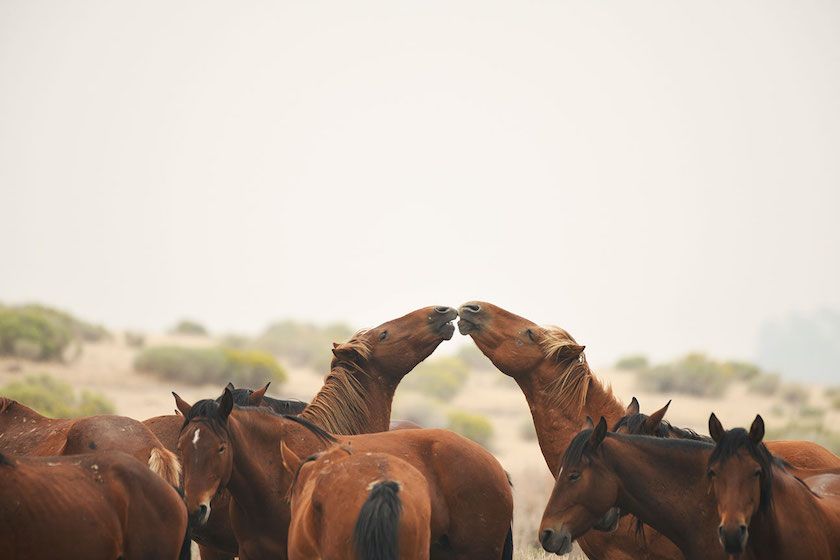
[633,362]
[814,412]
[55,398]
[473,426]
[247,368]
[135,339]
[442,378]
[302,344]
[764,384]
[185,326]
[694,374]
[742,371]
[37,332]
[795,394]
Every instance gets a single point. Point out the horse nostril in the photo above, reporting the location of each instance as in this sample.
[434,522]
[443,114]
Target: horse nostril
[546,535]
[442,309]
[720,530]
[472,308]
[743,529]
[203,510]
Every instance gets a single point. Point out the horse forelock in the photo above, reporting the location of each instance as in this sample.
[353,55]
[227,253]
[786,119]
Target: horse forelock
[342,404]
[577,451]
[207,412]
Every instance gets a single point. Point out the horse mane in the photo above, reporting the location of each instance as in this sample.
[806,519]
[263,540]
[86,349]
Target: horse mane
[737,439]
[341,406]
[570,388]
[280,406]
[635,422]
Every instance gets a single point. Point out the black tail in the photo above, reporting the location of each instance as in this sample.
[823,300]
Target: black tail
[507,551]
[186,546]
[376,535]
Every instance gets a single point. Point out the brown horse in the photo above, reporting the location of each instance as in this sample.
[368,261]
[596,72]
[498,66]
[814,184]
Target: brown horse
[551,370]
[375,501]
[25,432]
[355,399]
[238,449]
[659,480]
[765,510]
[100,505]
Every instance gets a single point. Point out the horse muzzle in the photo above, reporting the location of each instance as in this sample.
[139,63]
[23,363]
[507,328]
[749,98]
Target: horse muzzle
[559,542]
[199,516]
[733,539]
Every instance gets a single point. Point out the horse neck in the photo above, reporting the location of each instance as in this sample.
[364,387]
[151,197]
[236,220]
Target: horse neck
[352,402]
[661,483]
[557,425]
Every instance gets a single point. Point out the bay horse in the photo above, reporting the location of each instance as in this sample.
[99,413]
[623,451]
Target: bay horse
[356,396]
[222,447]
[551,369]
[762,508]
[25,432]
[660,481]
[100,505]
[376,501]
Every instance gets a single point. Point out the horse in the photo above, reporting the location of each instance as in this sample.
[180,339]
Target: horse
[356,396]
[100,505]
[764,509]
[375,501]
[551,369]
[25,432]
[237,449]
[658,480]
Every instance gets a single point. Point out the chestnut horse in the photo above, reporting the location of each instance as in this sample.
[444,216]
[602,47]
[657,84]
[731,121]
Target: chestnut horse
[25,432]
[355,399]
[376,501]
[237,449]
[762,508]
[100,505]
[551,369]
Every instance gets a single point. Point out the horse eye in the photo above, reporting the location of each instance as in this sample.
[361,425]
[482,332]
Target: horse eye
[222,448]
[711,473]
[757,473]
[383,336]
[530,335]
[574,476]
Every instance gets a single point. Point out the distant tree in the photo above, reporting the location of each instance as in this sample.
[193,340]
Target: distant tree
[187,326]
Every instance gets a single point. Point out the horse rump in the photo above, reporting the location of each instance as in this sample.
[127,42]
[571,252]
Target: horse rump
[376,534]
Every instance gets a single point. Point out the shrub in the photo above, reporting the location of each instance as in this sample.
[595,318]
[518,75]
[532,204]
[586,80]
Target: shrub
[764,384]
[794,394]
[833,395]
[186,326]
[633,362]
[473,426]
[135,339]
[247,368]
[693,374]
[37,332]
[55,398]
[742,371]
[814,412]
[442,378]
[814,431]
[302,344]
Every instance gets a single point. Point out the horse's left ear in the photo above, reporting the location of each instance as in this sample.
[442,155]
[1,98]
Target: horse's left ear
[255,398]
[757,429]
[598,434]
[291,462]
[226,404]
[632,408]
[182,405]
[715,428]
[653,421]
[570,351]
[346,354]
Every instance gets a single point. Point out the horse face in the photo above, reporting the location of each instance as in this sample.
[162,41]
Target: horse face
[583,498]
[394,348]
[736,484]
[207,462]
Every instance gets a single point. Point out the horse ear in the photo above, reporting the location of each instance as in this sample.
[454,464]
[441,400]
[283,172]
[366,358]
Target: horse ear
[226,404]
[598,434]
[255,398]
[757,429]
[335,344]
[632,408]
[588,424]
[570,351]
[653,421]
[715,428]
[346,354]
[230,385]
[291,462]
[182,405]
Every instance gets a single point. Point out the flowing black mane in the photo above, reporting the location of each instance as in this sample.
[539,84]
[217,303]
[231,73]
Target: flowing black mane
[577,450]
[635,422]
[280,406]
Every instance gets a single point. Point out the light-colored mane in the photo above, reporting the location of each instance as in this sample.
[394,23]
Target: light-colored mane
[570,388]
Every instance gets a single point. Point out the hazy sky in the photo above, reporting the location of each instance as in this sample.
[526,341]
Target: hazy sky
[657,176]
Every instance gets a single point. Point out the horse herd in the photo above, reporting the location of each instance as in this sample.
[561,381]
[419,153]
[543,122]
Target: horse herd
[250,476]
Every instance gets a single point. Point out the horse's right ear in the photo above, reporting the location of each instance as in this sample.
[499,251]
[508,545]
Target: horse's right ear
[230,385]
[291,462]
[715,428]
[182,405]
[226,404]
[255,398]
[598,434]
[345,354]
[757,429]
[632,408]
[653,421]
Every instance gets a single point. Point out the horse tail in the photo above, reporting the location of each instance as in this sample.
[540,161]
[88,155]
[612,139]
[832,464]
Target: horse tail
[165,463]
[186,546]
[507,551]
[376,535]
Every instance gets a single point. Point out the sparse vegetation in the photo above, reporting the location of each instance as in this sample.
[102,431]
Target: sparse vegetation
[55,398]
[833,395]
[37,332]
[694,374]
[419,409]
[794,394]
[442,378]
[472,426]
[134,339]
[302,344]
[633,362]
[247,368]
[189,327]
[766,384]
[814,412]
[811,431]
